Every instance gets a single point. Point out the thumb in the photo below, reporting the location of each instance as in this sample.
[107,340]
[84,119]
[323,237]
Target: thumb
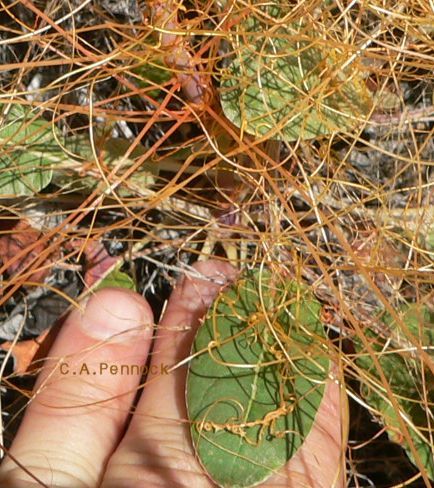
[79,408]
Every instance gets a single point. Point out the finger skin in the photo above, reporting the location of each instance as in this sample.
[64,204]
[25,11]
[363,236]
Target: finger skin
[66,438]
[157,449]
[320,462]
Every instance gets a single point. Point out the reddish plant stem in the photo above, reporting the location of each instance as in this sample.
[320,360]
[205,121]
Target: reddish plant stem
[425,114]
[179,58]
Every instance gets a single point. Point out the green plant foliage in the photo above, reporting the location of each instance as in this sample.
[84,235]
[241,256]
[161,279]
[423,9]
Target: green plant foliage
[29,150]
[111,153]
[430,241]
[151,74]
[118,279]
[407,378]
[257,378]
[285,84]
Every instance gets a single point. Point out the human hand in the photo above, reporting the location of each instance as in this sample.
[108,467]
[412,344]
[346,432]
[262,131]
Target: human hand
[74,432]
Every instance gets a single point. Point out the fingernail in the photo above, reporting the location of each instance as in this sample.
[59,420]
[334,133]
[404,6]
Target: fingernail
[116,313]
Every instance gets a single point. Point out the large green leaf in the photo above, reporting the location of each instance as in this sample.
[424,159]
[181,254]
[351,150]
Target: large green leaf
[286,83]
[408,376]
[28,152]
[257,381]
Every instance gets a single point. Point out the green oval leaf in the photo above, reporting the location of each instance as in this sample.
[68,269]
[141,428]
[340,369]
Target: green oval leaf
[256,380]
[29,150]
[286,83]
[408,377]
